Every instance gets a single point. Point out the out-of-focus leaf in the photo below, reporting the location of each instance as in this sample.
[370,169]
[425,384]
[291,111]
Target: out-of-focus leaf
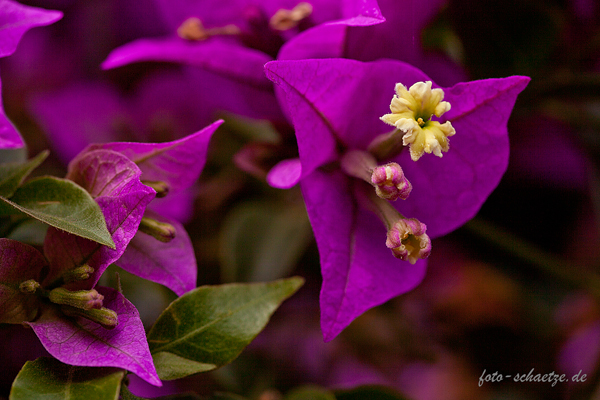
[29,231]
[18,155]
[262,242]
[64,205]
[251,129]
[13,174]
[309,393]
[369,393]
[149,298]
[210,326]
[18,262]
[49,379]
[79,341]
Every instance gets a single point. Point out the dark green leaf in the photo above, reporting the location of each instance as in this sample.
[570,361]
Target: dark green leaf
[369,393]
[309,393]
[63,204]
[210,326]
[13,174]
[49,379]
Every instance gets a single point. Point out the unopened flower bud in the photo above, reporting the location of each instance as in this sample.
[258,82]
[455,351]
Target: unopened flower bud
[192,29]
[29,286]
[158,230]
[408,241]
[103,316]
[390,182]
[82,299]
[162,188]
[284,20]
[78,274]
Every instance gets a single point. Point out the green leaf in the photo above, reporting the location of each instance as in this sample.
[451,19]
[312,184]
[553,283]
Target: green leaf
[369,393]
[309,393]
[18,155]
[262,242]
[172,364]
[49,379]
[64,205]
[211,325]
[13,174]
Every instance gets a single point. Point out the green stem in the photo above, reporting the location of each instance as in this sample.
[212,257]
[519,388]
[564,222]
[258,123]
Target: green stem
[382,208]
[576,276]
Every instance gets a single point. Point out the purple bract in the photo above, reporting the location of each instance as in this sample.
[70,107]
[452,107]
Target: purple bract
[335,105]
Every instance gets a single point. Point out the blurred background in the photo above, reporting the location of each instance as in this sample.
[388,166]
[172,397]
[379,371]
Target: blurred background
[516,289]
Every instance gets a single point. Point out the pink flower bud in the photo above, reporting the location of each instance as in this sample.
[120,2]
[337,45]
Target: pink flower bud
[390,182]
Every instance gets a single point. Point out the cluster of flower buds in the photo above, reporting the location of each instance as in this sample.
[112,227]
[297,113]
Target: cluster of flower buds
[87,304]
[412,112]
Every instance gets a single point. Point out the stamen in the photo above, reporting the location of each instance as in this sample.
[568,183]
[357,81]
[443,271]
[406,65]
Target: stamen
[192,29]
[29,286]
[159,230]
[284,20]
[78,274]
[82,299]
[103,316]
[162,188]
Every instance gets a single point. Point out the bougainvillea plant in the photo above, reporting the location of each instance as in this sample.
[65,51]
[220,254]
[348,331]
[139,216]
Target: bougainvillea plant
[97,216]
[385,158]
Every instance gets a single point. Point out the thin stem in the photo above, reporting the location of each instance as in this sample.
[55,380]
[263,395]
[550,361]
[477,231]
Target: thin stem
[382,208]
[545,262]
[358,164]
[387,145]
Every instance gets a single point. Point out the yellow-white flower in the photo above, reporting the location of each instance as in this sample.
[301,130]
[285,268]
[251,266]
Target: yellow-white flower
[412,110]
